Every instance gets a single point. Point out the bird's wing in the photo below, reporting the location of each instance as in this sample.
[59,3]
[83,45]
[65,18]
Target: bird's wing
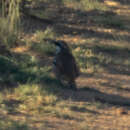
[59,64]
[75,68]
[70,66]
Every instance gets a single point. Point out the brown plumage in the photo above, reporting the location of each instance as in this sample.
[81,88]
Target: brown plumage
[65,66]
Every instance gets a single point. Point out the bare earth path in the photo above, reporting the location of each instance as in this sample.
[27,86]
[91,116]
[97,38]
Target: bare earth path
[107,88]
[102,101]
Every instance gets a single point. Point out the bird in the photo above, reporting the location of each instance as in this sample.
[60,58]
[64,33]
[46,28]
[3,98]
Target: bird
[65,67]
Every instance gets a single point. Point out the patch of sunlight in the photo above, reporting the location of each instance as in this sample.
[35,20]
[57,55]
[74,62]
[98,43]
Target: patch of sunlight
[20,49]
[125,12]
[111,3]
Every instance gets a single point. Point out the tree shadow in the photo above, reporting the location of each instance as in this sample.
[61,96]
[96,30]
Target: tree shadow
[87,94]
[79,23]
[82,110]
[111,58]
[116,85]
[117,69]
[123,2]
[112,50]
[75,22]
[32,24]
[119,54]
[116,54]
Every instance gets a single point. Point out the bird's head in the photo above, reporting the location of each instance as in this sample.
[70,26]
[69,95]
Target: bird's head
[60,45]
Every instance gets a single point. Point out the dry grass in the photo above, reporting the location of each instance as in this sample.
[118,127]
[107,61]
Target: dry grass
[99,39]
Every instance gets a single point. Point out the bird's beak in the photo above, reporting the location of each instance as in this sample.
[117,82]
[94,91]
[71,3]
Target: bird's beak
[48,40]
[52,41]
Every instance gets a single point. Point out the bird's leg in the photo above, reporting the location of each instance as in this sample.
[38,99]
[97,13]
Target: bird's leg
[72,85]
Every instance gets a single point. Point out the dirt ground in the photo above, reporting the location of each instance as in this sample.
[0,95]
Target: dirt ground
[108,91]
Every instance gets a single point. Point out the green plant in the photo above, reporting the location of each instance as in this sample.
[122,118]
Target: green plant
[40,46]
[12,125]
[92,4]
[9,24]
[44,49]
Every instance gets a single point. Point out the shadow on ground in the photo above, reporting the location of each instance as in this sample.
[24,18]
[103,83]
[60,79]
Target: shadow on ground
[123,2]
[75,22]
[113,59]
[87,94]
